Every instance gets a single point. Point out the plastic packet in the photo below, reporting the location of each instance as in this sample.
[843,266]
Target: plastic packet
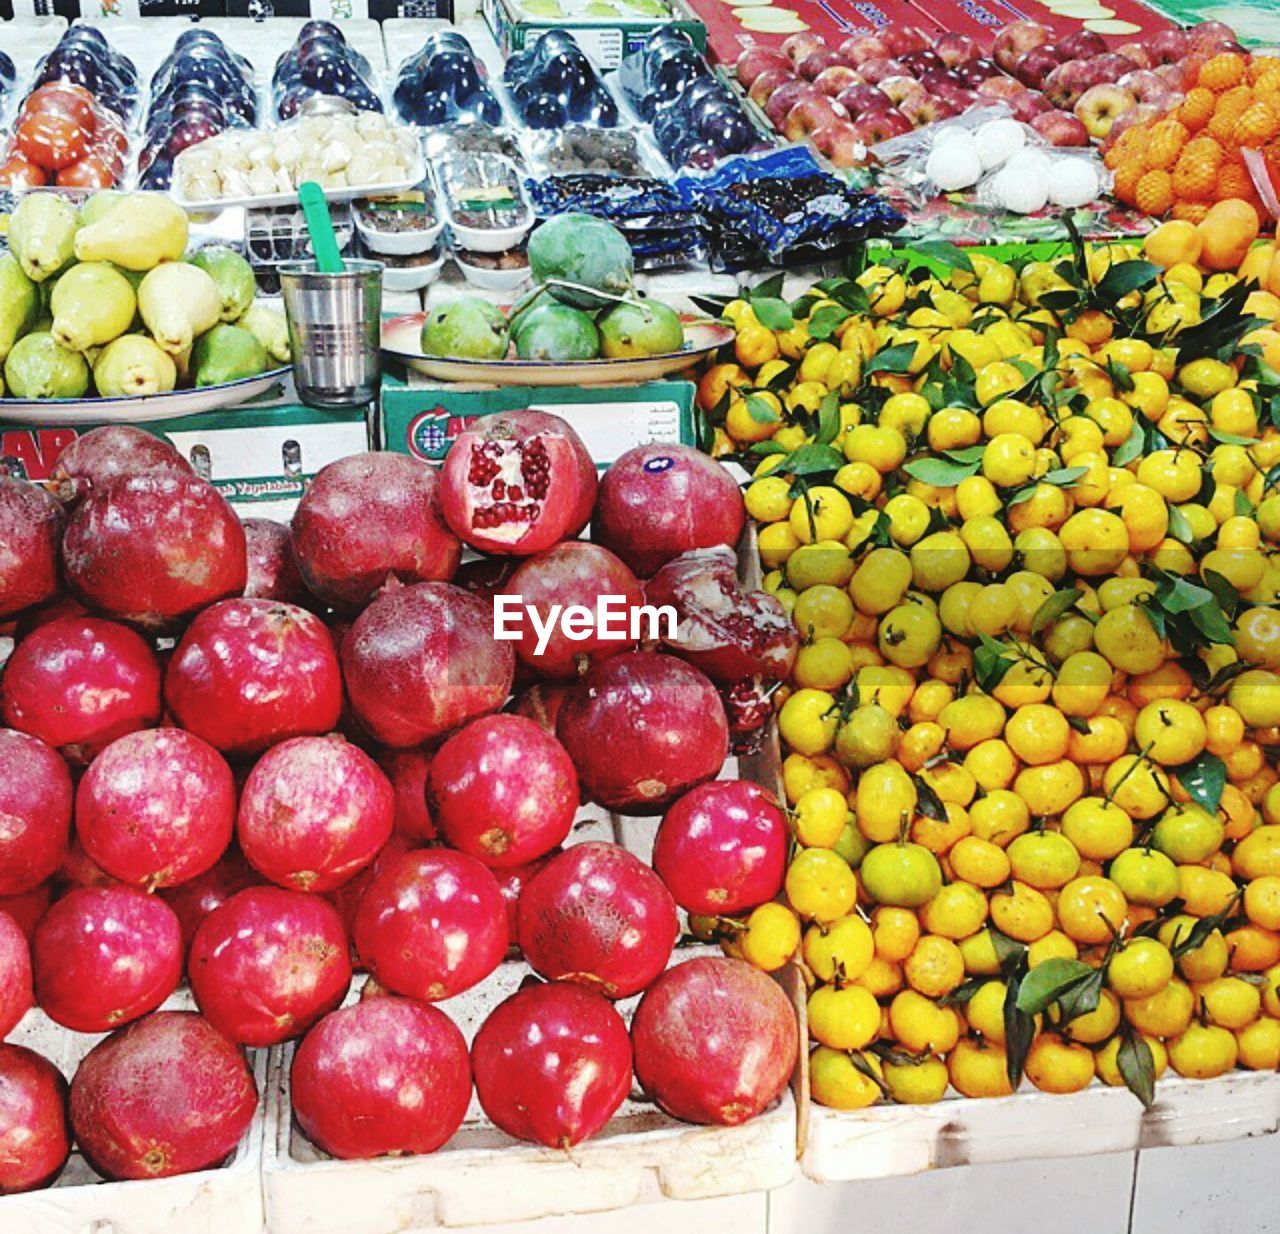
[445,82]
[552,83]
[321,61]
[1033,178]
[447,140]
[581,149]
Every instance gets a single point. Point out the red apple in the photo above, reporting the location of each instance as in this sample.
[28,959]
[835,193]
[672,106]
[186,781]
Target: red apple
[895,89]
[1138,53]
[921,108]
[859,48]
[1172,74]
[1033,67]
[769,80]
[1110,67]
[1081,44]
[785,97]
[1168,46]
[920,62]
[798,46]
[1060,128]
[1068,82]
[956,49]
[1017,38]
[755,60]
[816,62]
[1100,106]
[857,100]
[1145,85]
[974,72]
[875,71]
[931,79]
[960,97]
[1001,88]
[809,115]
[1208,34]
[839,142]
[874,127]
[901,39]
[838,78]
[1029,105]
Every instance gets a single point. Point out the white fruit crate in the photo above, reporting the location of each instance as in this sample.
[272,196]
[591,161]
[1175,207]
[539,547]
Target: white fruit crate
[227,1200]
[889,1141]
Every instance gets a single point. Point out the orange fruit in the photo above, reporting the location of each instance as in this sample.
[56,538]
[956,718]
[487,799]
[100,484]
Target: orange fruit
[1195,175]
[1154,193]
[1258,124]
[1172,243]
[1228,230]
[1129,145]
[1260,66]
[1233,181]
[1190,211]
[1165,144]
[1222,71]
[1125,187]
[1196,110]
[1230,107]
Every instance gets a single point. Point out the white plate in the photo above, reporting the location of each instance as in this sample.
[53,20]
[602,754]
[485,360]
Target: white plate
[139,410]
[401,339]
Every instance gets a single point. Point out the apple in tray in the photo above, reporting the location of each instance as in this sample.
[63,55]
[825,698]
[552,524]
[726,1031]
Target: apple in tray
[840,144]
[785,97]
[757,60]
[1100,106]
[811,114]
[1060,128]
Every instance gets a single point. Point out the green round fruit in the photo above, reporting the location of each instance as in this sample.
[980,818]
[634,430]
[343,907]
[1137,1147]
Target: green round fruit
[903,875]
[590,252]
[557,333]
[469,328]
[640,329]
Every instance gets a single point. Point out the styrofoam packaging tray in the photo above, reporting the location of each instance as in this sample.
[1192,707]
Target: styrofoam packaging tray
[220,1201]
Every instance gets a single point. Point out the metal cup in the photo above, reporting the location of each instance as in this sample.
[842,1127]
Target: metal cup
[335,323]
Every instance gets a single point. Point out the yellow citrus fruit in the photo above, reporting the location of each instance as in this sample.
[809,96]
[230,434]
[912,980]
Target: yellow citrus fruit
[1203,1051]
[979,1069]
[1165,1014]
[820,885]
[1045,860]
[771,937]
[1141,968]
[1057,1066]
[920,1025]
[916,1083]
[935,966]
[846,1018]
[1091,909]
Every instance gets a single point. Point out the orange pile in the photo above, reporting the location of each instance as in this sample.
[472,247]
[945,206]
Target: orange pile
[1190,158]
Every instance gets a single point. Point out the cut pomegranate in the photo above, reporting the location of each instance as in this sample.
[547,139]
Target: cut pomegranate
[102,454]
[552,1064]
[503,790]
[195,899]
[642,728]
[30,529]
[369,518]
[598,916]
[725,631]
[250,673]
[385,1076]
[104,956]
[715,1041]
[573,573]
[167,1095]
[661,500]
[35,812]
[432,925]
[34,1139]
[422,660]
[16,997]
[748,706]
[78,683]
[156,808]
[517,483]
[313,812]
[273,571]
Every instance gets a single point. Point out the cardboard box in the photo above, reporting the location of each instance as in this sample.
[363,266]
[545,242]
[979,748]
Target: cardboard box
[340,10]
[423,420]
[260,457]
[607,40]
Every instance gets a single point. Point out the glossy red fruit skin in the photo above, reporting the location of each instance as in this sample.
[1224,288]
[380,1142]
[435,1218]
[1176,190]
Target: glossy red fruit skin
[102,454]
[432,925]
[153,549]
[598,916]
[642,728]
[30,528]
[35,812]
[78,683]
[267,964]
[502,448]
[552,1064]
[503,790]
[167,1095]
[250,673]
[421,660]
[725,631]
[273,572]
[16,996]
[660,500]
[722,848]
[156,808]
[512,881]
[195,899]
[571,573]
[104,956]
[313,812]
[368,518]
[78,870]
[387,1075]
[408,770]
[715,1041]
[34,1138]
[347,898]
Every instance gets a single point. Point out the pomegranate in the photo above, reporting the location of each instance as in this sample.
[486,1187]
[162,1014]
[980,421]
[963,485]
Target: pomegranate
[715,1041]
[512,881]
[30,529]
[34,1140]
[55,610]
[642,729]
[27,908]
[504,790]
[267,964]
[748,706]
[250,673]
[661,500]
[78,683]
[542,703]
[167,1095]
[486,577]
[153,549]
[599,916]
[156,808]
[518,482]
[422,660]
[386,1075]
[722,848]
[195,899]
[573,573]
[407,770]
[368,518]
[552,1064]
[725,631]
[103,454]
[314,811]
[432,924]
[104,956]
[35,811]
[16,996]
[273,572]
[346,899]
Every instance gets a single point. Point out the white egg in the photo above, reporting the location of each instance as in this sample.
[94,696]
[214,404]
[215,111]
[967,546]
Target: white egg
[1073,182]
[1022,190]
[955,165]
[998,141]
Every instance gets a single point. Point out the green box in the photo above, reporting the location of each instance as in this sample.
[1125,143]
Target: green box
[422,420]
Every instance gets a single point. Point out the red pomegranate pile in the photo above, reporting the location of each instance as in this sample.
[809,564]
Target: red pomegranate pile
[261,757]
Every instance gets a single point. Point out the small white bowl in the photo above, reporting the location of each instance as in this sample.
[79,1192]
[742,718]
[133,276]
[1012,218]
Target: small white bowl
[493,280]
[412,278]
[398,243]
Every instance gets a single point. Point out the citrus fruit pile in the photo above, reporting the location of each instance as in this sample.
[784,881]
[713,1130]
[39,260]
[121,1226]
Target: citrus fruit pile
[1024,520]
